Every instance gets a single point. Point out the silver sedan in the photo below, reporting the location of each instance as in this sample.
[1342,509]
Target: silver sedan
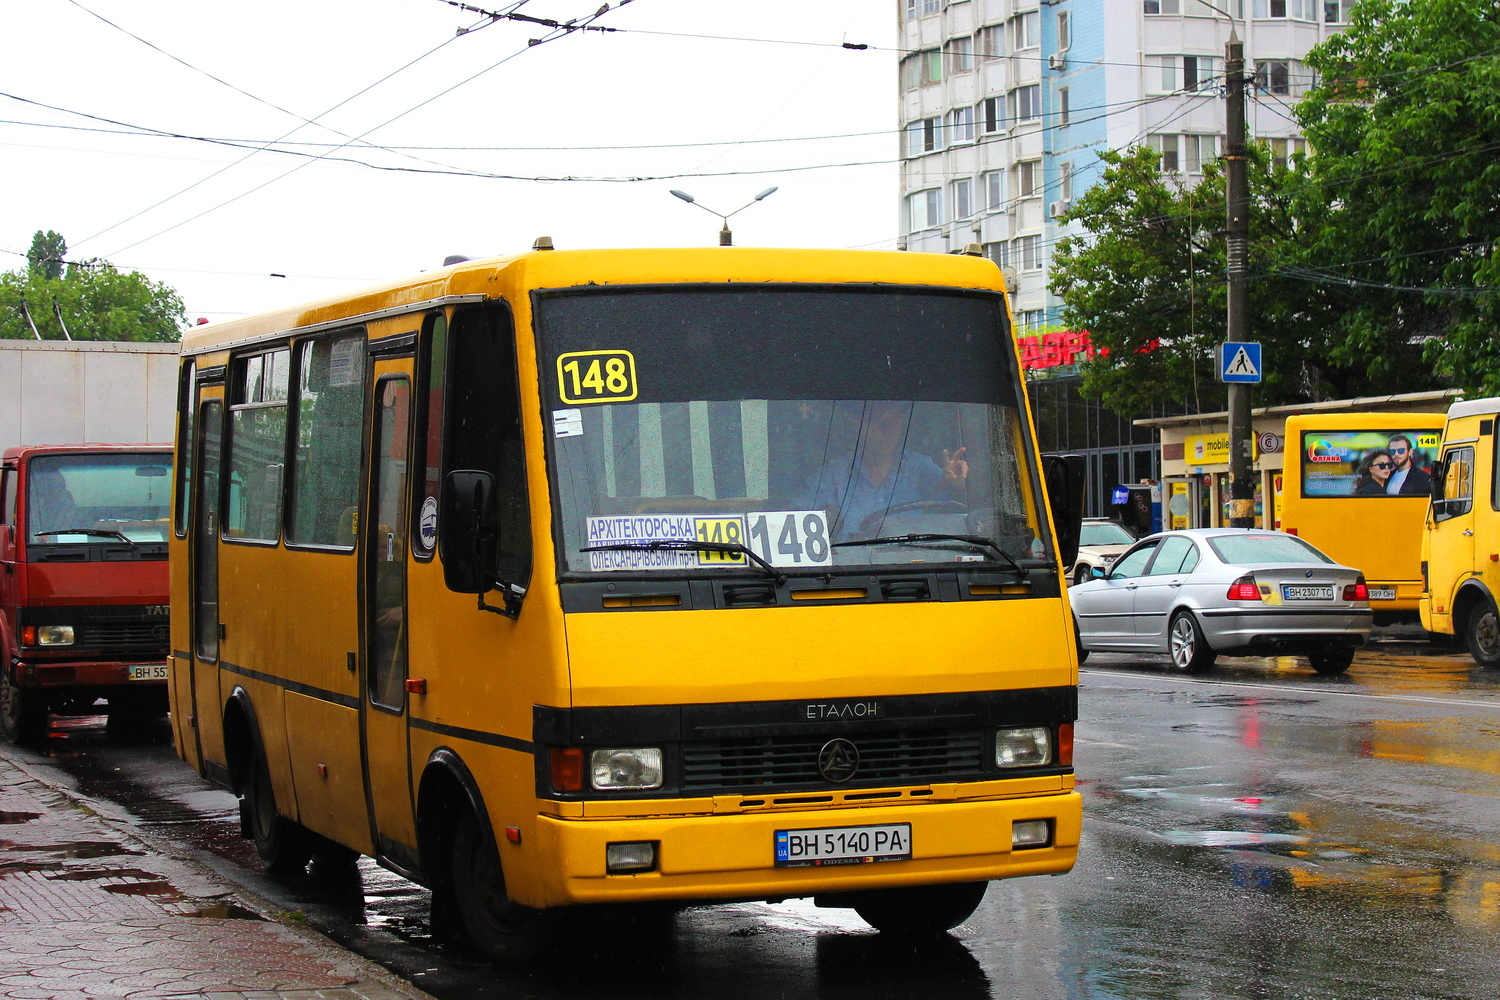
[1197,594]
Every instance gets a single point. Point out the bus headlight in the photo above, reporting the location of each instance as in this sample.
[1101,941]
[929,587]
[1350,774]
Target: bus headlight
[1027,747]
[625,769]
[51,635]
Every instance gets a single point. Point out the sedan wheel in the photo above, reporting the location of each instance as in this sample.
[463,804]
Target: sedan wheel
[1190,652]
[1330,662]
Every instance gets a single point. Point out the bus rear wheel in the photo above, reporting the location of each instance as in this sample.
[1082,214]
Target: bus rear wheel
[486,918]
[23,713]
[1482,633]
[284,846]
[920,911]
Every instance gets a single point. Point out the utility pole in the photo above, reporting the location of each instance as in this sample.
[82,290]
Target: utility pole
[1237,238]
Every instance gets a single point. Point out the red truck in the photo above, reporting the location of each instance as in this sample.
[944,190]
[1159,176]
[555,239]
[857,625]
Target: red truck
[83,583]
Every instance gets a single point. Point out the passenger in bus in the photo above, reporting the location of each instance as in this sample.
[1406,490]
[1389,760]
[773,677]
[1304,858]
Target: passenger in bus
[1373,473]
[1407,478]
[881,474]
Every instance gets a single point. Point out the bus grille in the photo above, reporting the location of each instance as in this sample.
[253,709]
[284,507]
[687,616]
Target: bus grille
[124,637]
[788,762]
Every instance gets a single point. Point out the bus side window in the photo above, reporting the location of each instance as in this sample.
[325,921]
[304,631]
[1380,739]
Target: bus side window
[482,426]
[1458,484]
[8,496]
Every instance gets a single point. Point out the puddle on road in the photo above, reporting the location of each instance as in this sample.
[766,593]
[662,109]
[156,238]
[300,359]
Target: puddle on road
[1234,838]
[84,850]
[223,911]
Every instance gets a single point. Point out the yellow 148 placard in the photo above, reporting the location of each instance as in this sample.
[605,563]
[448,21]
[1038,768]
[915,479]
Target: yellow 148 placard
[596,377]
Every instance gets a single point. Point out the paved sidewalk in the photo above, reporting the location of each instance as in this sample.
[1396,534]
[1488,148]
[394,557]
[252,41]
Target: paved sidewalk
[91,909]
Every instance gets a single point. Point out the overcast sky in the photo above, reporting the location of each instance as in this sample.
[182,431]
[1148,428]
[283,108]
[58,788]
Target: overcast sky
[711,97]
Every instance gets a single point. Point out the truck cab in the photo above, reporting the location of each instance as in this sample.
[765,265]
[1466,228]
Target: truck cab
[83,583]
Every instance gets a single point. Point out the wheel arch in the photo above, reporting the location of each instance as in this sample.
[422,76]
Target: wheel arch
[242,737]
[1470,593]
[446,787]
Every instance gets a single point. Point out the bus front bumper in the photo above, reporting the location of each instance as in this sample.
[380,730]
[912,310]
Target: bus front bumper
[733,857]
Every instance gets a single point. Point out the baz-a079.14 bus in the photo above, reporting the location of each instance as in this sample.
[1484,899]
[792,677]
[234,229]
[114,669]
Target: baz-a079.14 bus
[664,576]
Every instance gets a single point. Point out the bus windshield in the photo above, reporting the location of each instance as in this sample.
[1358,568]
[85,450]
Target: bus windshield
[815,427]
[76,499]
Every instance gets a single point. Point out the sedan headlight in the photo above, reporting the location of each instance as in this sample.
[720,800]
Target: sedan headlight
[632,769]
[1027,747]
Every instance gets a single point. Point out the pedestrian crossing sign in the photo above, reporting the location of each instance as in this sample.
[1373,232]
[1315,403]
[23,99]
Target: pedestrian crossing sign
[1239,361]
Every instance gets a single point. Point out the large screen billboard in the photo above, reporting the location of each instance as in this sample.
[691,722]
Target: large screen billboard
[1368,463]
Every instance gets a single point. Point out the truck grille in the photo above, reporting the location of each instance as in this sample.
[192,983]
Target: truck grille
[789,762]
[125,637]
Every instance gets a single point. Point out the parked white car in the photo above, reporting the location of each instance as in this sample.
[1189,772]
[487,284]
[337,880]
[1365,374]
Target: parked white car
[1194,595]
[1100,543]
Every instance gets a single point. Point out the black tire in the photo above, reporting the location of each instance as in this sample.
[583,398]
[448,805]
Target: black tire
[284,846]
[921,911]
[482,914]
[1080,574]
[23,712]
[1333,661]
[1482,634]
[1083,654]
[1190,652]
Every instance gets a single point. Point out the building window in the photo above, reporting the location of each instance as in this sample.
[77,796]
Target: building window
[1160,6]
[990,42]
[1062,105]
[1274,76]
[1200,149]
[1336,11]
[960,125]
[1282,150]
[921,68]
[961,193]
[1031,319]
[924,210]
[1025,31]
[1064,31]
[992,115]
[923,136]
[1026,103]
[1166,145]
[999,253]
[1270,8]
[921,8]
[1028,177]
[1197,72]
[960,54]
[994,189]
[1065,182]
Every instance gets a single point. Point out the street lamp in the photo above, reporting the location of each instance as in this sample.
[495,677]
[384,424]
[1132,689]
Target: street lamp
[725,237]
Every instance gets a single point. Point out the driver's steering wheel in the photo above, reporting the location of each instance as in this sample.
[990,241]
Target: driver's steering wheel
[869,524]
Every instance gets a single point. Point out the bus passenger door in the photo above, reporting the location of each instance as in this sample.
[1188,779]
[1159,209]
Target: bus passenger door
[1450,554]
[384,552]
[208,707]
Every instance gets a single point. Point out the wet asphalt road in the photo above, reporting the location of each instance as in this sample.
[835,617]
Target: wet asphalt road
[1257,832]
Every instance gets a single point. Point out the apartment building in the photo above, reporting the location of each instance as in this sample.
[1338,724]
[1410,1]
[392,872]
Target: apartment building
[1005,104]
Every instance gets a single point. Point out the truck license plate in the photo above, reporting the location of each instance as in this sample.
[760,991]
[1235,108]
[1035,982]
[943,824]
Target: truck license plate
[843,845]
[148,672]
[1306,593]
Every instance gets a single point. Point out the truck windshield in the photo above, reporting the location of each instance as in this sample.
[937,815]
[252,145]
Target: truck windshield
[76,499]
[819,427]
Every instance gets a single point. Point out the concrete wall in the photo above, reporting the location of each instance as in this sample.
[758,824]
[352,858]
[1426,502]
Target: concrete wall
[57,392]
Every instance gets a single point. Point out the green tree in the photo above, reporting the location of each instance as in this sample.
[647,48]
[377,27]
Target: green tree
[49,251]
[1146,278]
[97,301]
[1405,123]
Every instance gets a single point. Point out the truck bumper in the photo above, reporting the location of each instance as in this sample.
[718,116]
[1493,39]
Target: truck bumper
[90,673]
[723,858]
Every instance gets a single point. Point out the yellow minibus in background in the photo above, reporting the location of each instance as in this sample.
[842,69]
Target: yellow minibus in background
[1356,485]
[633,576]
[1461,543]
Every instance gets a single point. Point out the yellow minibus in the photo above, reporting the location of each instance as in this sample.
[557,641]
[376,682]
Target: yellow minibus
[633,576]
[1461,540]
[1356,486]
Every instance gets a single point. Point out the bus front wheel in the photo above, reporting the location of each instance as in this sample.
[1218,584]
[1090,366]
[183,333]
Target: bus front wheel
[488,920]
[1482,633]
[23,713]
[920,911]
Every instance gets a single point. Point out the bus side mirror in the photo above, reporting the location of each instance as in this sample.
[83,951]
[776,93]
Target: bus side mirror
[1438,474]
[466,532]
[1064,475]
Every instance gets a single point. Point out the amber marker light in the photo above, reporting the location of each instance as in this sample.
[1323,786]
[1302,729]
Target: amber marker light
[567,769]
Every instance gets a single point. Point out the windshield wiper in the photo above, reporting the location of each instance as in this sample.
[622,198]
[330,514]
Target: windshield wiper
[96,532]
[687,544]
[978,541]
